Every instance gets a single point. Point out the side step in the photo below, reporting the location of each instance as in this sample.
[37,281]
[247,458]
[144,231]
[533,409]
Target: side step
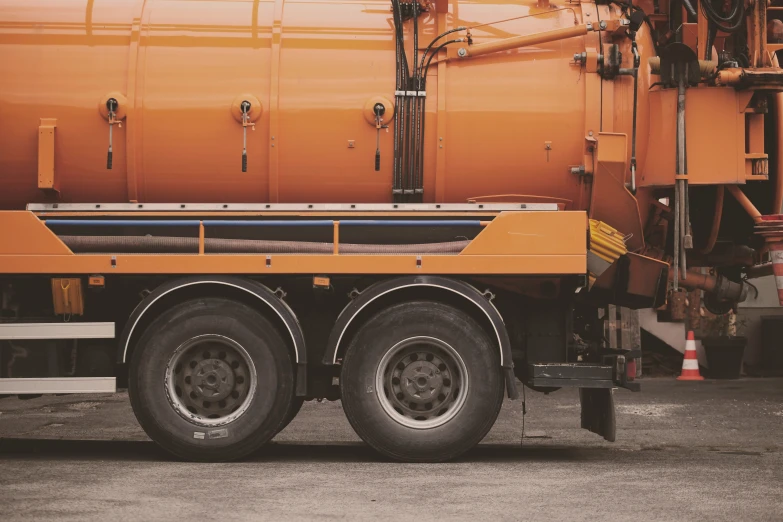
[583,375]
[37,331]
[58,385]
[564,375]
[56,331]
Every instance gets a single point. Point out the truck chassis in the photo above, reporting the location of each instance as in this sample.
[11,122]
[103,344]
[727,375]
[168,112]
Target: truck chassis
[219,348]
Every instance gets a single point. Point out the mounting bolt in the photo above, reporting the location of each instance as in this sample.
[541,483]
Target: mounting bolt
[462,53]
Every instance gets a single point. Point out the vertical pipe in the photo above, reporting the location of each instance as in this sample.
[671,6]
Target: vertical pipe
[778,202]
[716,218]
[675,279]
[336,238]
[680,207]
[633,136]
[201,238]
[744,202]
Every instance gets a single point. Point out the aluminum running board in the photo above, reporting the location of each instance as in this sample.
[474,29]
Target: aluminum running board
[37,331]
[290,207]
[58,385]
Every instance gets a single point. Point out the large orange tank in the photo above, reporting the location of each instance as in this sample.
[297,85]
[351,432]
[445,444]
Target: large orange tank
[512,122]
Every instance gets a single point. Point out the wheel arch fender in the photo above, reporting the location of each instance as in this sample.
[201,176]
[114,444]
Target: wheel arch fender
[251,292]
[360,307]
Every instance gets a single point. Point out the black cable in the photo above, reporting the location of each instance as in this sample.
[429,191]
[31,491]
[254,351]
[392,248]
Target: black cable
[427,50]
[414,123]
[435,53]
[711,34]
[399,121]
[647,20]
[718,20]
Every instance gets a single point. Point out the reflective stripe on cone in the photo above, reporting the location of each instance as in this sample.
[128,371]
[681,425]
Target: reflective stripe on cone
[776,251]
[690,364]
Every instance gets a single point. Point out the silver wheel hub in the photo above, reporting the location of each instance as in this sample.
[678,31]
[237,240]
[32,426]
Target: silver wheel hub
[422,382]
[213,379]
[210,380]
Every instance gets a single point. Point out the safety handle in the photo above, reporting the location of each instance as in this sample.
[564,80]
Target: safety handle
[245,107]
[112,105]
[379,109]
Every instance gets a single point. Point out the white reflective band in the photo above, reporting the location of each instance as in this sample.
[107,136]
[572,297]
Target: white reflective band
[779,282]
[690,346]
[777,256]
[690,364]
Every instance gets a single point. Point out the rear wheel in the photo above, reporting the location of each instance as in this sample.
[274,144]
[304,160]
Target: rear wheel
[296,405]
[421,381]
[211,380]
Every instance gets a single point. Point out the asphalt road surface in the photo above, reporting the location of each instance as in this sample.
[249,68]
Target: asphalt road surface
[685,451]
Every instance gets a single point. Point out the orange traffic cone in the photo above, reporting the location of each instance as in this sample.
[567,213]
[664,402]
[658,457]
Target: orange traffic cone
[690,365]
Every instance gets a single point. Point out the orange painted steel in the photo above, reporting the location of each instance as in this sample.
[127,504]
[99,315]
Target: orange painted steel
[744,202]
[181,66]
[295,264]
[336,238]
[201,238]
[777,205]
[720,192]
[531,243]
[516,113]
[515,42]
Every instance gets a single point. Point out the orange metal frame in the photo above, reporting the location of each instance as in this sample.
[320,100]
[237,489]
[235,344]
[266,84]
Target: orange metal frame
[513,243]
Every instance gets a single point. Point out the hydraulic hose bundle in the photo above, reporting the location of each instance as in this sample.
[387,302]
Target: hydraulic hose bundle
[410,98]
[409,124]
[730,24]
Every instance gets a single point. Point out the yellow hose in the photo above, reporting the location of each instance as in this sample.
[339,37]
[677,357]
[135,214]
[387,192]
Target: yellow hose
[605,242]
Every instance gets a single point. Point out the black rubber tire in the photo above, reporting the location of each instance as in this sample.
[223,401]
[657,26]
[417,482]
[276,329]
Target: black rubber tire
[270,403]
[364,355]
[296,405]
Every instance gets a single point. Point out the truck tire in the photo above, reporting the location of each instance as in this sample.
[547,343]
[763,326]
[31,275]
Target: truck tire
[421,382]
[296,405]
[211,380]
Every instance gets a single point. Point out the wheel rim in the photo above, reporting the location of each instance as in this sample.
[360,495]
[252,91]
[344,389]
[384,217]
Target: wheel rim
[422,382]
[210,380]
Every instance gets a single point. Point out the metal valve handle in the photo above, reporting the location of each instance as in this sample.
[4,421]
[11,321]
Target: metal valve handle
[245,107]
[379,109]
[112,105]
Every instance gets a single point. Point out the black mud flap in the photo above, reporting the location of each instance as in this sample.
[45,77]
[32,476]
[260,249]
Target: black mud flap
[598,413]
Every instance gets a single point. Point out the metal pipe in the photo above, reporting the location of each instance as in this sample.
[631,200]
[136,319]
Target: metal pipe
[721,287]
[706,67]
[767,269]
[122,222]
[163,245]
[516,42]
[266,223]
[716,218]
[744,202]
[777,207]
[676,240]
[635,106]
[680,206]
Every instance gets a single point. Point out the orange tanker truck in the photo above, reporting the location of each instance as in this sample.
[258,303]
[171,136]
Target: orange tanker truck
[416,207]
